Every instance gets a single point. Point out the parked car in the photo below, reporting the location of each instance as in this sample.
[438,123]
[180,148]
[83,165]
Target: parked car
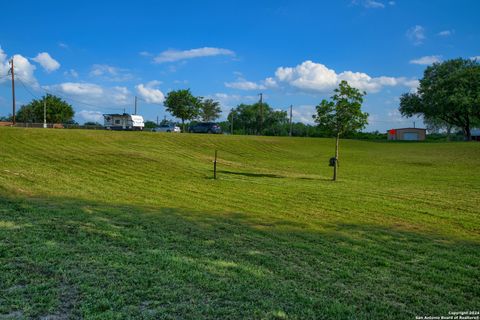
[169,127]
[205,127]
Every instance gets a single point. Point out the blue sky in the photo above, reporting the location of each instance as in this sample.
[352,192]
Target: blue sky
[98,55]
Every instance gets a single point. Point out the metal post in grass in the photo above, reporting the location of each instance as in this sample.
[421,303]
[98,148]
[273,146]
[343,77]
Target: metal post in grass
[44,112]
[215,166]
[334,163]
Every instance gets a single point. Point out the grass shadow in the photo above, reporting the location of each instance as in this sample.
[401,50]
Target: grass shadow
[86,259]
[250,174]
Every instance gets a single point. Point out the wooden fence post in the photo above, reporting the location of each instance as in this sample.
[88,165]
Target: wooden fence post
[215,166]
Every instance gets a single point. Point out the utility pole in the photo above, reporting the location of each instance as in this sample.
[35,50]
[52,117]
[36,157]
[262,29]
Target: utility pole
[414,124]
[45,112]
[157,121]
[261,112]
[291,123]
[12,71]
[135,105]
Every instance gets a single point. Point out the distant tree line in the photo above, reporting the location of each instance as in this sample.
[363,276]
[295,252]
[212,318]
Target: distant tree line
[248,119]
[258,118]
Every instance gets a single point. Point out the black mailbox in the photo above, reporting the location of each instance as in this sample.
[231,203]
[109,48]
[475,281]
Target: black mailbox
[332,161]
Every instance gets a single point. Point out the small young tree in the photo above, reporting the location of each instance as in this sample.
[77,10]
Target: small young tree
[182,104]
[341,115]
[210,110]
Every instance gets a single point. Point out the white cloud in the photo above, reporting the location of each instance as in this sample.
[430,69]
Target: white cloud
[394,115]
[47,62]
[150,93]
[308,76]
[445,33]
[177,55]
[3,56]
[63,45]
[71,73]
[316,77]
[270,82]
[231,99]
[361,81]
[24,70]
[373,4]
[475,58]
[90,116]
[119,95]
[110,73]
[303,113]
[411,83]
[426,60]
[243,84]
[92,94]
[369,4]
[416,34]
[373,119]
[78,88]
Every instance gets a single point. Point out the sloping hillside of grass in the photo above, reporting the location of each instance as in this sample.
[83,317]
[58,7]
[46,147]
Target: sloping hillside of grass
[114,225]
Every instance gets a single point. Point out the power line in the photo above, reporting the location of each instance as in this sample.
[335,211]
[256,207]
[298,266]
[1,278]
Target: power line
[25,87]
[62,95]
[53,92]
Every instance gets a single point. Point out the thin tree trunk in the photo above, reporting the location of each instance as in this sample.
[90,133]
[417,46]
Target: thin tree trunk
[183,125]
[468,132]
[335,167]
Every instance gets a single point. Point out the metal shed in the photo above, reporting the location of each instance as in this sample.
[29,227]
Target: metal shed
[407,134]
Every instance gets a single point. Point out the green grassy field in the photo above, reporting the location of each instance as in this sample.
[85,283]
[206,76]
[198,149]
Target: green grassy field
[118,225]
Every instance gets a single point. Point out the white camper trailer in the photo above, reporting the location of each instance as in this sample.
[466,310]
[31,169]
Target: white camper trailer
[123,122]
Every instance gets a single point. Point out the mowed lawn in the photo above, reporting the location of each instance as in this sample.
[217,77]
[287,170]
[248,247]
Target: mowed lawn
[131,225]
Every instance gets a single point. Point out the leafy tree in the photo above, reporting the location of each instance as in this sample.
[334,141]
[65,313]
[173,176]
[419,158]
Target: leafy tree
[150,124]
[58,111]
[183,105]
[247,119]
[448,92]
[341,115]
[210,110]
